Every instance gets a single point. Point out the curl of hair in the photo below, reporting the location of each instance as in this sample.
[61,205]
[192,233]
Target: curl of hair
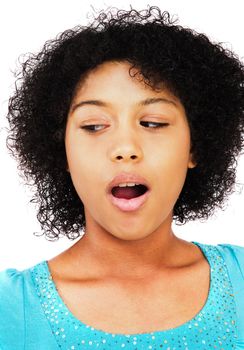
[208,79]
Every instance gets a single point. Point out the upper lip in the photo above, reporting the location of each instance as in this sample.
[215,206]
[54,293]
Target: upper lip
[127,177]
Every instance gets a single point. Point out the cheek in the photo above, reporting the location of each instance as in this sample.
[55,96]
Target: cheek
[179,148]
[171,165]
[81,168]
[170,154]
[84,172]
[77,153]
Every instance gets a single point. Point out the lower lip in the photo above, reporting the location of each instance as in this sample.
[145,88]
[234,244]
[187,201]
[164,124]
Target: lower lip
[129,204]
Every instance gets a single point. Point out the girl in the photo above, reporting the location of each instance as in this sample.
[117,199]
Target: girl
[124,126]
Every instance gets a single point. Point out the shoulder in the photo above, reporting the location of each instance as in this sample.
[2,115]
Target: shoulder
[11,288]
[233,256]
[21,313]
[11,305]
[12,285]
[10,278]
[23,324]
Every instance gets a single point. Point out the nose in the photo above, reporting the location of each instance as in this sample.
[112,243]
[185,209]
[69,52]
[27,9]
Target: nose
[126,150]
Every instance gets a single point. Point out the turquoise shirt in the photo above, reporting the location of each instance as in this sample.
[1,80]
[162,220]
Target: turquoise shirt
[34,317]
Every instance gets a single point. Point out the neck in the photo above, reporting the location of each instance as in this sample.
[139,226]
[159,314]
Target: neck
[106,255]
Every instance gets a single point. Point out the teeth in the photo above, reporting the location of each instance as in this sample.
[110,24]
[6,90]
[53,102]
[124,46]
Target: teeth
[130,184]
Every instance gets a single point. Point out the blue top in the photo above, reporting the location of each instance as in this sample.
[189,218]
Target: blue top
[33,315]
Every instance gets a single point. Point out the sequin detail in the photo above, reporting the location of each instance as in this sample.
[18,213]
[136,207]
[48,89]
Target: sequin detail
[214,327]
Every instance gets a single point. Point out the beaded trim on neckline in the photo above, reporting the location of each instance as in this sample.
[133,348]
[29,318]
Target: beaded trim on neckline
[214,324]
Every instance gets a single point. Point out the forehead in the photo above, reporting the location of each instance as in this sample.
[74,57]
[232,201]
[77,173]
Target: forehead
[113,77]
[110,73]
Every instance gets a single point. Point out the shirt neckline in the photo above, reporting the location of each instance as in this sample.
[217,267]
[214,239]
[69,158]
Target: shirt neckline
[204,310]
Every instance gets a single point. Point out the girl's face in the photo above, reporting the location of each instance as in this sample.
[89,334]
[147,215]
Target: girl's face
[124,138]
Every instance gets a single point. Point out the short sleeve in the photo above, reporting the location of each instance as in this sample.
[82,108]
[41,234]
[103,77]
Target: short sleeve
[234,259]
[12,320]
[23,324]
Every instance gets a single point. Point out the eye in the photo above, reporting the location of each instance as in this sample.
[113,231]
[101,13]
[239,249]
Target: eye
[156,125]
[89,128]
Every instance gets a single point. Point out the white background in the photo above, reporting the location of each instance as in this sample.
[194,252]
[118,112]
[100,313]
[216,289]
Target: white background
[24,27]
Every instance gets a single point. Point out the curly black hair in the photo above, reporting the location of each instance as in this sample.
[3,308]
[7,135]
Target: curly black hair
[207,78]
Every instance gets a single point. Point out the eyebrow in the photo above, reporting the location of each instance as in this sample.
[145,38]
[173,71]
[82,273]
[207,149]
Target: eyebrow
[145,102]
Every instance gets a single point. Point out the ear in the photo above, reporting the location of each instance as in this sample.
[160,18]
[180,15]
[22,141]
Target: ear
[191,162]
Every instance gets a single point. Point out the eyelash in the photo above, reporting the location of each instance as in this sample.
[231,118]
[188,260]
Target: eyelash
[158,125]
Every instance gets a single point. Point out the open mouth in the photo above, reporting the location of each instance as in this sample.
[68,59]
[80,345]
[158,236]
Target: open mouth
[129,192]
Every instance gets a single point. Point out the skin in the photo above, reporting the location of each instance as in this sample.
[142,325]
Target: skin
[122,251]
